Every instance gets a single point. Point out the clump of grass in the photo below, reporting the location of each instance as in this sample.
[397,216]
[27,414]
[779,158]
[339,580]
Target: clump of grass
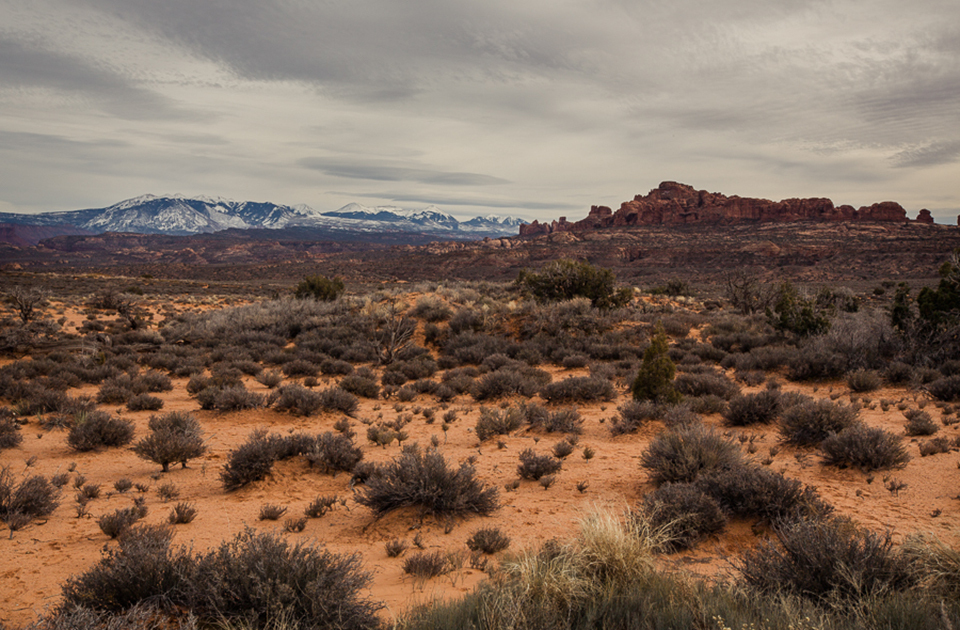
[182,513]
[426,564]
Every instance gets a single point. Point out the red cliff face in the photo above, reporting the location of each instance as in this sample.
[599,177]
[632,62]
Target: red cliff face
[672,203]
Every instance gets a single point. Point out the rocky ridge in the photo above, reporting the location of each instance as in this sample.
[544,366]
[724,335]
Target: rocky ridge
[673,204]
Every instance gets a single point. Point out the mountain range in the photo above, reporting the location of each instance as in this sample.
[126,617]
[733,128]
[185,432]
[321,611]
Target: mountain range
[180,215]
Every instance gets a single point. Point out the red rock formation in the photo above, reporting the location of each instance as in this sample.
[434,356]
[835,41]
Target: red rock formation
[673,203]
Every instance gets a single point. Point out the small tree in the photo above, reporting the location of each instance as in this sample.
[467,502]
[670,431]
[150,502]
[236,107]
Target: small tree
[796,314]
[320,288]
[567,279]
[654,380]
[175,437]
[26,302]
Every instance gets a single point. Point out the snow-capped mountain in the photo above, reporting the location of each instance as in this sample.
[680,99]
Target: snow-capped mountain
[180,215]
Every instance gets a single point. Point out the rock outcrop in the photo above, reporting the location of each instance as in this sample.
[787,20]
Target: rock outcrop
[672,203]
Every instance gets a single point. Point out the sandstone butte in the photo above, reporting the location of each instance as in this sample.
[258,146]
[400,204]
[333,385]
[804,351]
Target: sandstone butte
[672,203]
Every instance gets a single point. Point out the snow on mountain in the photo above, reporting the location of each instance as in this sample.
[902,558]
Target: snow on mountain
[179,214]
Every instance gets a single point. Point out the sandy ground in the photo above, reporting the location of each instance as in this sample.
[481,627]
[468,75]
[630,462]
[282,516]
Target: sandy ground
[37,560]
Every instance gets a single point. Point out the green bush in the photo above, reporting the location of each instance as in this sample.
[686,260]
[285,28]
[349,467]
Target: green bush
[654,380]
[320,288]
[568,279]
[796,314]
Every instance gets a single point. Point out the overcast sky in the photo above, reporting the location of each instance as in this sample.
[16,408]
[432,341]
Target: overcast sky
[537,108]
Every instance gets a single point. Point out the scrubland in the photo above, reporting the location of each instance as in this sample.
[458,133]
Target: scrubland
[487,455]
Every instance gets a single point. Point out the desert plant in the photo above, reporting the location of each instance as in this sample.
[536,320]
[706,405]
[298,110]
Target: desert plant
[295,525]
[122,485]
[682,453]
[182,513]
[684,512]
[334,452]
[426,564]
[812,421]
[270,512]
[706,384]
[864,381]
[508,381]
[319,288]
[935,446]
[115,524]
[144,402]
[534,466]
[654,380]
[422,479]
[251,461]
[174,437]
[497,422]
[562,449]
[168,492]
[797,314]
[578,389]
[919,423]
[97,429]
[567,279]
[270,378]
[489,540]
[395,547]
[751,491]
[633,414]
[946,388]
[33,497]
[320,506]
[823,559]
[360,386]
[867,448]
[229,398]
[9,431]
[761,408]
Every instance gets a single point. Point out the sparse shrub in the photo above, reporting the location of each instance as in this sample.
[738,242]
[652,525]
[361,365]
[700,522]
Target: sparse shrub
[98,429]
[681,415]
[297,399]
[422,479]
[319,288]
[395,547]
[426,564]
[864,381]
[320,506]
[270,512]
[168,492]
[174,437]
[295,525]
[812,421]
[633,414]
[684,511]
[935,446]
[683,453]
[825,560]
[182,513]
[431,309]
[9,431]
[919,423]
[867,448]
[122,485]
[33,497]
[489,540]
[360,386]
[706,404]
[813,363]
[336,399]
[335,367]
[335,452]
[508,382]
[270,378]
[231,398]
[144,402]
[574,361]
[654,380]
[751,491]
[946,388]
[562,449]
[533,466]
[562,421]
[497,422]
[300,367]
[578,389]
[251,461]
[567,279]
[760,408]
[113,525]
[707,384]
[897,372]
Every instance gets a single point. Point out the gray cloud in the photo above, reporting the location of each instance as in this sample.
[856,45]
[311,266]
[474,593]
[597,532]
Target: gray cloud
[530,101]
[339,168]
[24,64]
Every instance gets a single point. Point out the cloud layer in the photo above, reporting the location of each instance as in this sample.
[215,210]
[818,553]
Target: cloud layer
[536,108]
